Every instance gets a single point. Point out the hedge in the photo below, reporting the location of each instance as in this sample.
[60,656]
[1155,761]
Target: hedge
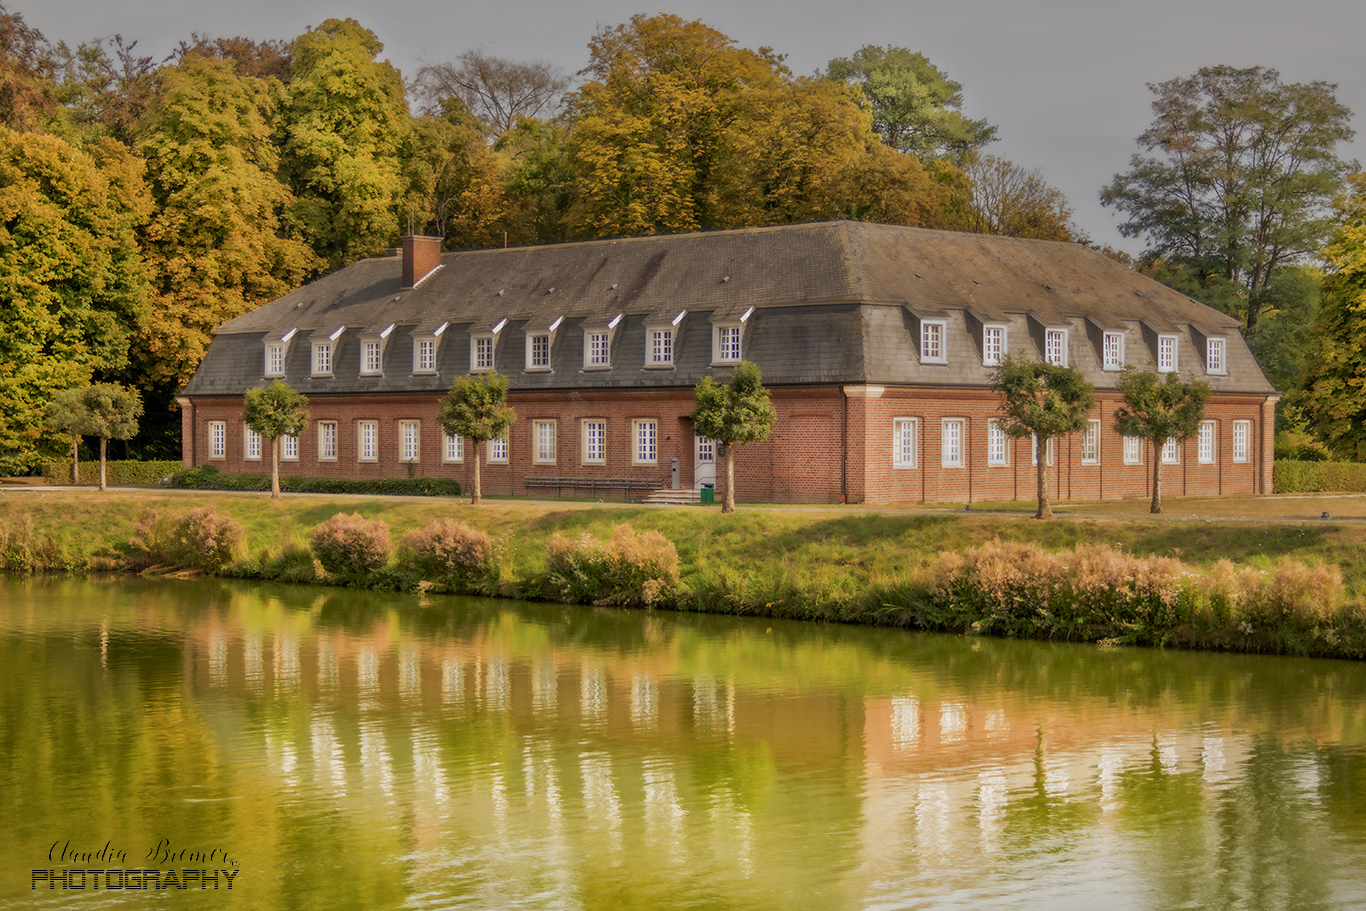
[207,477]
[58,471]
[1319,477]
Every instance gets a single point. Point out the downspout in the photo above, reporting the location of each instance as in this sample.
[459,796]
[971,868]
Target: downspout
[844,446]
[967,445]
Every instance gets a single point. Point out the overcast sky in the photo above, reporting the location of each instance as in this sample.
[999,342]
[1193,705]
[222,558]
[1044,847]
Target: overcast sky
[1064,81]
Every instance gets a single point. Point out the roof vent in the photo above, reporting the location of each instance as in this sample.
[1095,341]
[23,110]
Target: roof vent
[500,293]
[725,279]
[614,287]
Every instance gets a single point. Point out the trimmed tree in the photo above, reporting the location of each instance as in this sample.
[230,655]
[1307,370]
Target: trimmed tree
[476,408]
[1042,401]
[732,415]
[1159,409]
[66,411]
[112,413]
[275,411]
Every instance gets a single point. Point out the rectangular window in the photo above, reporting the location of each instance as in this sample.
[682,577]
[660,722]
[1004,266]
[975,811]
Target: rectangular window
[1133,450]
[408,441]
[538,351]
[253,444]
[594,442]
[647,440]
[498,449]
[1171,452]
[998,452]
[932,349]
[1204,449]
[1214,356]
[993,345]
[481,353]
[1055,347]
[597,349]
[322,359]
[289,448]
[370,357]
[218,439]
[544,434]
[369,441]
[454,447]
[1242,432]
[727,344]
[659,347]
[424,355]
[1090,443]
[1034,451]
[1166,354]
[327,441]
[1113,353]
[952,440]
[904,442]
[275,359]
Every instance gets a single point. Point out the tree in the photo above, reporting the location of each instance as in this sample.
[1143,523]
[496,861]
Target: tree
[275,411]
[1244,178]
[916,108]
[497,91]
[66,411]
[733,415]
[112,413]
[1159,409]
[1042,401]
[1010,201]
[476,408]
[104,92]
[27,74]
[453,182]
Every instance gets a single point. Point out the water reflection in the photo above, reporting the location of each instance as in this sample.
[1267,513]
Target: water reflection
[357,751]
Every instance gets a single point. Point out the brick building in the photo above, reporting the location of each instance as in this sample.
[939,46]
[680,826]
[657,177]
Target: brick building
[877,343]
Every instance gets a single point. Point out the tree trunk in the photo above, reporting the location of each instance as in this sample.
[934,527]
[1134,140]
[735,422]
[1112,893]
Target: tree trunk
[475,494]
[728,502]
[103,443]
[1157,478]
[275,468]
[75,460]
[1041,460]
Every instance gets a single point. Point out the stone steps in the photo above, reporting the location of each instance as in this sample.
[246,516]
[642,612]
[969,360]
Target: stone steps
[666,497]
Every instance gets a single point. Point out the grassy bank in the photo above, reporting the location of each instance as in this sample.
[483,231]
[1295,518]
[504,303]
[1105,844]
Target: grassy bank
[1244,585]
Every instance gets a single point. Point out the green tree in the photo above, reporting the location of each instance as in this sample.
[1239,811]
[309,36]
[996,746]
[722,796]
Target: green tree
[454,185]
[1159,409]
[1042,401]
[732,415]
[66,412]
[1242,182]
[915,107]
[112,413]
[275,411]
[341,132]
[538,182]
[476,408]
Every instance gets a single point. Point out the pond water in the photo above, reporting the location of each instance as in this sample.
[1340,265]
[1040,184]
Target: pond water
[276,747]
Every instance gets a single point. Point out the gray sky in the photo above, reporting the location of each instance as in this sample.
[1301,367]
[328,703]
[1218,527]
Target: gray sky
[1064,81]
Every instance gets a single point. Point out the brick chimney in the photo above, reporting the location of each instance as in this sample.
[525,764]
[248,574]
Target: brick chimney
[421,256]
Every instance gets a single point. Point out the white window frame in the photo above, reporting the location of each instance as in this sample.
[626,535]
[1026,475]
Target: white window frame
[951,433]
[1216,356]
[275,359]
[534,360]
[1090,443]
[1048,454]
[727,345]
[1168,355]
[424,353]
[1242,441]
[905,442]
[499,451]
[933,342]
[322,358]
[289,449]
[1133,450]
[251,444]
[1055,347]
[453,447]
[597,349]
[594,441]
[543,441]
[659,346]
[218,439]
[1112,358]
[409,442]
[1171,451]
[998,445]
[994,339]
[481,352]
[645,441]
[327,441]
[367,441]
[371,366]
[1206,443]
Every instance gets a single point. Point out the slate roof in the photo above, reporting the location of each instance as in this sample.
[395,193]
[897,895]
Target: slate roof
[829,302]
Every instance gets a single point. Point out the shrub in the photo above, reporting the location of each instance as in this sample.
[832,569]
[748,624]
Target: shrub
[208,477]
[1318,477]
[453,554]
[201,539]
[628,569]
[120,473]
[351,546]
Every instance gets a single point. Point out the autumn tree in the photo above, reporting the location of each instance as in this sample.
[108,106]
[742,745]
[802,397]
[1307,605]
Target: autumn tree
[538,182]
[275,411]
[476,408]
[915,107]
[498,92]
[1011,201]
[732,415]
[1159,408]
[104,87]
[1043,401]
[27,74]
[268,59]
[453,183]
[66,412]
[1238,179]
[111,413]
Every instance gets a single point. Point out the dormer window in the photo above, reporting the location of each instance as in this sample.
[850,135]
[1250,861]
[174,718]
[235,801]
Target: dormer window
[597,349]
[538,351]
[1166,354]
[322,358]
[371,356]
[932,349]
[1214,356]
[726,340]
[993,345]
[275,358]
[659,346]
[481,353]
[1113,351]
[1055,347]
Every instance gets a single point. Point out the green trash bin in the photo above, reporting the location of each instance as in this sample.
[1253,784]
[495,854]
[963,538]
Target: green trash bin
[708,493]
